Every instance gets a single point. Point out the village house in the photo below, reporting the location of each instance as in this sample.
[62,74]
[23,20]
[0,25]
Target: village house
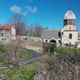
[67,35]
[7,33]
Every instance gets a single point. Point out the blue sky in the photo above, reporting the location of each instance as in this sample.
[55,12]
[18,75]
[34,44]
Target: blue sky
[48,13]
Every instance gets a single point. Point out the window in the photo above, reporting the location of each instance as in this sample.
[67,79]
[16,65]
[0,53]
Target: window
[70,22]
[46,40]
[65,22]
[1,34]
[25,38]
[70,36]
[62,32]
[59,41]
[59,34]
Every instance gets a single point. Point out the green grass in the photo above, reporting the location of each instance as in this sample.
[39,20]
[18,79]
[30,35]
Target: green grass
[25,72]
[25,55]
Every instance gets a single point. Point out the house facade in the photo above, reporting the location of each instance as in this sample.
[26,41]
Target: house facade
[7,33]
[67,35]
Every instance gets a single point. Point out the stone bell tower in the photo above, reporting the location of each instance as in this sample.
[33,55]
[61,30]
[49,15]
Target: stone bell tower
[69,32]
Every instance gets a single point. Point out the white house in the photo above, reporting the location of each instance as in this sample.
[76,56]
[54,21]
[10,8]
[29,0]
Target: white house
[7,33]
[67,35]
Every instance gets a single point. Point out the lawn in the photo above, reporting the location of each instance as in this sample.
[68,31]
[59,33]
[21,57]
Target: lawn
[25,55]
[25,72]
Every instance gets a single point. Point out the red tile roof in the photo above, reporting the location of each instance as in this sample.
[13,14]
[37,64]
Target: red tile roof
[6,27]
[69,30]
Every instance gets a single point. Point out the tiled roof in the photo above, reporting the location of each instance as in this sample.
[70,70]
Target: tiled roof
[6,27]
[48,34]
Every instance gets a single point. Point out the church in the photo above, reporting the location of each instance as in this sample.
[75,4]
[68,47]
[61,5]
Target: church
[67,35]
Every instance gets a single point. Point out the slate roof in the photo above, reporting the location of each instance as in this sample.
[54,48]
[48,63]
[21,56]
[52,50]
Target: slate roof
[48,34]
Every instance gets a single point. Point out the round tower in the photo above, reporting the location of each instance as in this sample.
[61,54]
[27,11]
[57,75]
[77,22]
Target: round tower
[69,32]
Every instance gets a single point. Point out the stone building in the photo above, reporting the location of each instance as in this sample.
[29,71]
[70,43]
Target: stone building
[7,33]
[69,32]
[67,35]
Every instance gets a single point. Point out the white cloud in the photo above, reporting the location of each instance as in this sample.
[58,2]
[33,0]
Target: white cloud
[24,12]
[16,9]
[32,9]
[19,10]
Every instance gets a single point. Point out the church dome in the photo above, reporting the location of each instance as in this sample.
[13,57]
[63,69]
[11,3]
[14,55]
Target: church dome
[69,15]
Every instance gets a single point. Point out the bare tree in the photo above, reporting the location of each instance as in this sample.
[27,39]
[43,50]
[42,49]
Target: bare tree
[30,31]
[14,51]
[19,22]
[38,30]
[35,30]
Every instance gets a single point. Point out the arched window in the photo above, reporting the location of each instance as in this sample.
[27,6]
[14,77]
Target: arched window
[70,36]
[46,40]
[59,34]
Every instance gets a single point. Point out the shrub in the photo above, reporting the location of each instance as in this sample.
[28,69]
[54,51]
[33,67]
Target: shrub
[52,48]
[65,65]
[64,50]
[24,72]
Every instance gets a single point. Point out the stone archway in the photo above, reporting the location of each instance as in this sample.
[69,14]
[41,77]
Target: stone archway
[53,41]
[52,45]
